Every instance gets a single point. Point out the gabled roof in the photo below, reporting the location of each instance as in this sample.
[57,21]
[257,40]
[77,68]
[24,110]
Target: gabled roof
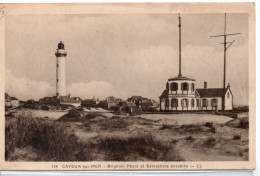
[153,101]
[7,96]
[181,78]
[165,94]
[212,92]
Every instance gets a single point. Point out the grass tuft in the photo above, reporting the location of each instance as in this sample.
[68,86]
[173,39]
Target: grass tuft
[143,146]
[166,126]
[209,124]
[210,142]
[50,138]
[236,137]
[243,123]
[190,138]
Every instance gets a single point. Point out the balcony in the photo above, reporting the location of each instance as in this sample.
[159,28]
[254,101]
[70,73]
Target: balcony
[60,52]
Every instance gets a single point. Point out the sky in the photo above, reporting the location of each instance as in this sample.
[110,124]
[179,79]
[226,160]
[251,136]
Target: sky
[123,55]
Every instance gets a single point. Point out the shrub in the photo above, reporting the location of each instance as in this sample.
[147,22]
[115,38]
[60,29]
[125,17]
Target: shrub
[241,109]
[72,116]
[73,113]
[165,126]
[46,108]
[75,116]
[209,124]
[94,115]
[190,138]
[213,129]
[113,123]
[243,123]
[87,126]
[191,128]
[210,142]
[149,109]
[142,146]
[236,137]
[46,137]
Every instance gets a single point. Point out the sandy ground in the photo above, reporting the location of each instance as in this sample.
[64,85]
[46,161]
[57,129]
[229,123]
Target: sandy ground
[179,128]
[182,119]
[194,141]
[171,119]
[43,114]
[54,115]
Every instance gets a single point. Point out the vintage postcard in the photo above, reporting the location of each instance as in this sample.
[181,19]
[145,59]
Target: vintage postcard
[130,86]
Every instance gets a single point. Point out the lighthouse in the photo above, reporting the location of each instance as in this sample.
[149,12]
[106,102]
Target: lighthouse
[61,54]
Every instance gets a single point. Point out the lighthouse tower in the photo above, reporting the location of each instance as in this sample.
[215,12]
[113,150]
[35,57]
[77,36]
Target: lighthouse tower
[61,54]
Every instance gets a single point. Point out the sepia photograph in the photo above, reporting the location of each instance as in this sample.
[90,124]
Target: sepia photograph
[127,87]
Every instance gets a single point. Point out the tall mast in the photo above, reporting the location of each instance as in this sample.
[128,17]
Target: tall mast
[225,56]
[179,46]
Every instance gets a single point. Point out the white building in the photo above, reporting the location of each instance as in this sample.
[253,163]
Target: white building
[61,54]
[11,102]
[181,95]
[61,95]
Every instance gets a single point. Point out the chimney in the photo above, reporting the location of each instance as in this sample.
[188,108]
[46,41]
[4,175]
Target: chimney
[205,85]
[228,86]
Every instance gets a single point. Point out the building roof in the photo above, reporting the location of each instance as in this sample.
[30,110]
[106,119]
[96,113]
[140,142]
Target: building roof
[135,98]
[67,99]
[181,78]
[7,97]
[111,99]
[212,92]
[165,94]
[153,101]
[61,45]
[14,98]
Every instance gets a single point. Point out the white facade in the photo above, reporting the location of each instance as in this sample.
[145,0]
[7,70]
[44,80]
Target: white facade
[228,100]
[180,95]
[61,54]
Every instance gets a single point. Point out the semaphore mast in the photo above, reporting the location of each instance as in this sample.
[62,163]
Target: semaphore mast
[225,56]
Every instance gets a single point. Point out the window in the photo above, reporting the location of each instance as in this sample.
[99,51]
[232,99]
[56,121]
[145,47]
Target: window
[204,102]
[174,103]
[57,65]
[192,102]
[228,95]
[167,86]
[57,80]
[185,86]
[192,86]
[214,102]
[198,103]
[184,103]
[174,86]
